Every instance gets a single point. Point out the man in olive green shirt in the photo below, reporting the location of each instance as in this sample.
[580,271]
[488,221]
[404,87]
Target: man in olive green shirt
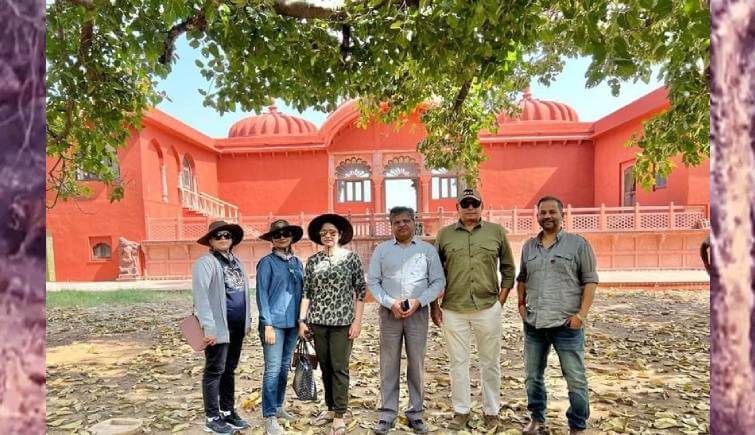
[473,252]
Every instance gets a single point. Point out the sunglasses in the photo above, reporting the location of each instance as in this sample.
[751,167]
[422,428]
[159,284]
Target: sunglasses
[465,203]
[220,235]
[282,235]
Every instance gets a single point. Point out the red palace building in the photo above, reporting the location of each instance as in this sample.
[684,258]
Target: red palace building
[277,165]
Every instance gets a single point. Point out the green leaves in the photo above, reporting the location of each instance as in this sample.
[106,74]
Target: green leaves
[396,53]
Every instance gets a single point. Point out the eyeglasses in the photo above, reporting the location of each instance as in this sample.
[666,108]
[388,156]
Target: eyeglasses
[465,203]
[282,235]
[220,235]
[331,233]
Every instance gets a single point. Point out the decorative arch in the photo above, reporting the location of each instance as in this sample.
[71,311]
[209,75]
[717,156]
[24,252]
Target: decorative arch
[155,145]
[401,167]
[353,182]
[188,177]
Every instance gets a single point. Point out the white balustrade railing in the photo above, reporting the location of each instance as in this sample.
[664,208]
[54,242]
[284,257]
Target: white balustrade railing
[208,205]
[516,221]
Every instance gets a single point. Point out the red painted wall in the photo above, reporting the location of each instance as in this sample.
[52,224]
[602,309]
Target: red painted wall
[518,175]
[684,185]
[72,223]
[278,183]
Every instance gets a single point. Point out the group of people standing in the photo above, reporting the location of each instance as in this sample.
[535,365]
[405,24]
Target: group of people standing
[460,283]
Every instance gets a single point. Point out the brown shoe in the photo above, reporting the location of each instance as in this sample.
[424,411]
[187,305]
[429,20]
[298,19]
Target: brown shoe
[459,422]
[534,427]
[492,422]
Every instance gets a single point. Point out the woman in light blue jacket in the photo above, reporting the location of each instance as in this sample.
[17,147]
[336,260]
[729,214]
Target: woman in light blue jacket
[279,290]
[221,297]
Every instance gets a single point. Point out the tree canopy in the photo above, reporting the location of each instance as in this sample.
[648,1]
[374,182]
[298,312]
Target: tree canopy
[468,59]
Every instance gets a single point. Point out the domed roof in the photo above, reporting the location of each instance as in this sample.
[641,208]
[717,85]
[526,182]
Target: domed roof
[534,109]
[271,123]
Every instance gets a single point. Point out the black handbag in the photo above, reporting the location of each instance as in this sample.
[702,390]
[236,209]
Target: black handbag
[302,350]
[304,378]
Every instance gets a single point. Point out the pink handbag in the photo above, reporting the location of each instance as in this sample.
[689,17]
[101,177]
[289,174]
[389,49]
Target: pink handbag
[192,332]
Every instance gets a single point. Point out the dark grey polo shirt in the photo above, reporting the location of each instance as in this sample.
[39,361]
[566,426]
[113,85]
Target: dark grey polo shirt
[555,278]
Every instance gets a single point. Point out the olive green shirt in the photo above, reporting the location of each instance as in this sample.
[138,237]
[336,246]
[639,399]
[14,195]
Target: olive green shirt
[471,263]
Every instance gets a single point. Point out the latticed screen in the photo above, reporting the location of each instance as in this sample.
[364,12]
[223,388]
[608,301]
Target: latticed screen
[651,221]
[163,229]
[588,222]
[620,222]
[687,220]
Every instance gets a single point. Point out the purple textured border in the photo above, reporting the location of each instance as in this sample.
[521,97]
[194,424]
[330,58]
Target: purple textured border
[22,217]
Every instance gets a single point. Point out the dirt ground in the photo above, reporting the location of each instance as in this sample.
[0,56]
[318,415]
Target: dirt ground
[647,355]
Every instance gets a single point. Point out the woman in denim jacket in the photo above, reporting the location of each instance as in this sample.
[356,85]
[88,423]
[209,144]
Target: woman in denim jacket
[279,290]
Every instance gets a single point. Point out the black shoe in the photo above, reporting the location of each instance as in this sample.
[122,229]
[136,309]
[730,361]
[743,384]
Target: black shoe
[234,420]
[418,426]
[383,427]
[217,425]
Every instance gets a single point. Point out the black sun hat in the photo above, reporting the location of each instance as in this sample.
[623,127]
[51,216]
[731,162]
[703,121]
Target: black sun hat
[237,233]
[340,222]
[282,225]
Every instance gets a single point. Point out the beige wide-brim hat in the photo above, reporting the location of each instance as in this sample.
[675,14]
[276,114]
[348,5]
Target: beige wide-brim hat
[237,233]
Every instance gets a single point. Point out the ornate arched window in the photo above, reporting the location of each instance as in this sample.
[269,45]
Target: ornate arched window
[445,184]
[353,181]
[402,167]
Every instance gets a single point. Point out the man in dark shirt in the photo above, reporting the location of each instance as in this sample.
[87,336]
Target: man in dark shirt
[556,287]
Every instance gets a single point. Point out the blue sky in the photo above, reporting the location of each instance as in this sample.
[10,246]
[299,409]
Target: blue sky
[569,87]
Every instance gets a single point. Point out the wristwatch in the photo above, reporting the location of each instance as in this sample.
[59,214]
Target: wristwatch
[302,321]
[579,316]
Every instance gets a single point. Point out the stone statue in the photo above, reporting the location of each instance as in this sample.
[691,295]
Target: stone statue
[128,268]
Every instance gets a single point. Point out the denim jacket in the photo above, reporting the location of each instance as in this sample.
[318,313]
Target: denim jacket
[279,290]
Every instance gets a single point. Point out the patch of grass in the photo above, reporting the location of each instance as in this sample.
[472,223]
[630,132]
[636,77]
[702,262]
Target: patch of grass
[79,298]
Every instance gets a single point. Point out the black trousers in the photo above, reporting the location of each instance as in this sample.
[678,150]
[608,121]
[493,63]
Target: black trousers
[333,349]
[218,378]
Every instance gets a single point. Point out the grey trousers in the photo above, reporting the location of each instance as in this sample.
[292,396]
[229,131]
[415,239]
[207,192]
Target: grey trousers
[393,333]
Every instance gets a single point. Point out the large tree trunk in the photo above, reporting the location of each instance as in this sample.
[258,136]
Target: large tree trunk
[733,216]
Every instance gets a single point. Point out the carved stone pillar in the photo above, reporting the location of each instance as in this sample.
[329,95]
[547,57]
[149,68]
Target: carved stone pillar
[331,194]
[164,181]
[424,182]
[377,198]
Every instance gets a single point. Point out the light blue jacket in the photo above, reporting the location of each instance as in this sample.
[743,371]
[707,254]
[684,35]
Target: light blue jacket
[208,288]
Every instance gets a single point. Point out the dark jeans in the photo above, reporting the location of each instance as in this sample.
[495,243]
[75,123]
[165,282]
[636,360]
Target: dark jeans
[277,364]
[570,348]
[218,377]
[333,349]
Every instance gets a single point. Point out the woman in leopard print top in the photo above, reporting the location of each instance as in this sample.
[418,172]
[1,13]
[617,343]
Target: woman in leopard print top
[331,308]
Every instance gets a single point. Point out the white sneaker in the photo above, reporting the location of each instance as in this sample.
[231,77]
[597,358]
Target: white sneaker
[272,427]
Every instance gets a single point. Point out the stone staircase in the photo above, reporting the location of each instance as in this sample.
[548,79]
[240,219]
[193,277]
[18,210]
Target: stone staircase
[200,204]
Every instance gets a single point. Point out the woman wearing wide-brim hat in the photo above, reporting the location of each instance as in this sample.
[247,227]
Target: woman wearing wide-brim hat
[221,297]
[331,308]
[279,290]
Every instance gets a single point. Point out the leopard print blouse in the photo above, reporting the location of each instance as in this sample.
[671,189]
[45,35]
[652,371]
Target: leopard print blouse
[330,284]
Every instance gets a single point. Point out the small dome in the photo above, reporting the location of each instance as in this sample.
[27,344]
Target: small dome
[271,123]
[534,109]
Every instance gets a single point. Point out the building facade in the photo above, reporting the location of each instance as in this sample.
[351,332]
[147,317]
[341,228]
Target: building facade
[274,164]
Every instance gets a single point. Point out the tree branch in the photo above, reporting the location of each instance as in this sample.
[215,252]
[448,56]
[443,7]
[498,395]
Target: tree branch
[345,42]
[195,22]
[461,96]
